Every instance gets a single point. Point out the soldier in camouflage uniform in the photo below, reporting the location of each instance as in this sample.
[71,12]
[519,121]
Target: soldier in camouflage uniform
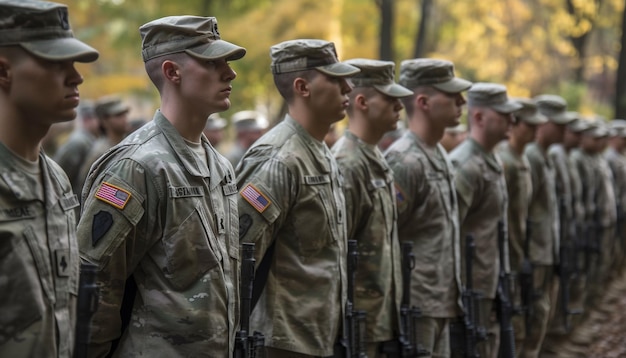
[291,204]
[519,189]
[39,261]
[427,205]
[72,153]
[482,196]
[617,162]
[370,201]
[160,209]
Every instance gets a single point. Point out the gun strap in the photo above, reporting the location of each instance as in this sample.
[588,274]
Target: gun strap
[260,277]
[126,310]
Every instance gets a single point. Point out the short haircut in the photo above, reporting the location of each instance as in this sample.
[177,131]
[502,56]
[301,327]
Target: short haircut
[365,91]
[409,101]
[284,82]
[153,67]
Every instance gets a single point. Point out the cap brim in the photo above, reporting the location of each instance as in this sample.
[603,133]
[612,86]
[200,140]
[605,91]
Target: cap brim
[339,69]
[118,109]
[216,50]
[508,107]
[535,119]
[394,90]
[455,85]
[562,118]
[62,49]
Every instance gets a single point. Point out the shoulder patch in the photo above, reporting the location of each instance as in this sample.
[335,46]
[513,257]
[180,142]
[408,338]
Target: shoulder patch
[113,195]
[399,194]
[102,222]
[255,198]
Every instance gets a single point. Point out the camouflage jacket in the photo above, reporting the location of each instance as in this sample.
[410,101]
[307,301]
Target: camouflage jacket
[428,216]
[519,190]
[371,221]
[481,190]
[154,212]
[617,163]
[586,170]
[38,260]
[291,200]
[543,211]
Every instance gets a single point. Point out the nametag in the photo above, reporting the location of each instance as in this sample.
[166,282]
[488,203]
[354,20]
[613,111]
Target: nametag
[186,191]
[317,179]
[22,212]
[378,183]
[70,201]
[229,189]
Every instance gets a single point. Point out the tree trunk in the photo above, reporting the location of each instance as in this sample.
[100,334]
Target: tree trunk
[386,30]
[580,42]
[620,88]
[420,36]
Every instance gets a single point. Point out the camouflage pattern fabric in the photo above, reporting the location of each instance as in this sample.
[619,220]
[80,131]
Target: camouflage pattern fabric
[291,197]
[38,259]
[153,211]
[371,221]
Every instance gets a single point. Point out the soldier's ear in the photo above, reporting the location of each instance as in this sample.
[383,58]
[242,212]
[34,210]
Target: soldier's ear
[360,102]
[171,71]
[301,87]
[421,101]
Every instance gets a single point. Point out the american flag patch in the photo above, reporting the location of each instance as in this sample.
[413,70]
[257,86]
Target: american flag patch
[253,196]
[113,195]
[399,194]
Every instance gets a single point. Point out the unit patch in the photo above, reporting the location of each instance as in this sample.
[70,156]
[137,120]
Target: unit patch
[100,225]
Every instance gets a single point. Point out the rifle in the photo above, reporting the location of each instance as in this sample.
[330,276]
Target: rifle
[354,320]
[86,306]
[247,346]
[407,343]
[504,304]
[527,282]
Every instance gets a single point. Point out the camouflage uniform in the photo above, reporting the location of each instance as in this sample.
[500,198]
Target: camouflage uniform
[371,220]
[38,257]
[161,215]
[173,228]
[98,148]
[617,163]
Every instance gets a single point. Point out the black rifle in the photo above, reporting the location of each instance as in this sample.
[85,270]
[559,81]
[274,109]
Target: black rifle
[407,344]
[246,345]
[86,306]
[566,266]
[466,333]
[504,306]
[354,320]
[527,282]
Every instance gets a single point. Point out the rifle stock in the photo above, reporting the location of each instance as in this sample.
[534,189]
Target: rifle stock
[86,307]
[504,304]
[246,345]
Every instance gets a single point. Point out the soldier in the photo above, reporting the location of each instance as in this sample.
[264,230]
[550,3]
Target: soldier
[291,204]
[519,190]
[72,153]
[38,251]
[160,209]
[214,130]
[249,127]
[370,201]
[390,137]
[616,159]
[482,196]
[427,205]
[113,118]
[453,136]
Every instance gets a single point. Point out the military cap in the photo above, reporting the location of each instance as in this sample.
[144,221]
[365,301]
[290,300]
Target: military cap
[554,107]
[86,108]
[215,122]
[597,128]
[578,125]
[458,129]
[491,95]
[249,120]
[110,106]
[195,35]
[377,74]
[308,54]
[42,28]
[431,72]
[528,113]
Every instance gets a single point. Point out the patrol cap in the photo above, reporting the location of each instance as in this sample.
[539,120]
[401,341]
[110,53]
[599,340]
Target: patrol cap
[86,108]
[110,106]
[598,128]
[458,129]
[554,107]
[308,54]
[431,72]
[249,120]
[378,74]
[578,125]
[195,35]
[42,28]
[215,122]
[528,113]
[491,95]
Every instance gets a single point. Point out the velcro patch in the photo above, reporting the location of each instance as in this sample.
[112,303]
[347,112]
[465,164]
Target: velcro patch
[255,198]
[113,195]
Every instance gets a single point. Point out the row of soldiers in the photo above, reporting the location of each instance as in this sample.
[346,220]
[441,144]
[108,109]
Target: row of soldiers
[163,214]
